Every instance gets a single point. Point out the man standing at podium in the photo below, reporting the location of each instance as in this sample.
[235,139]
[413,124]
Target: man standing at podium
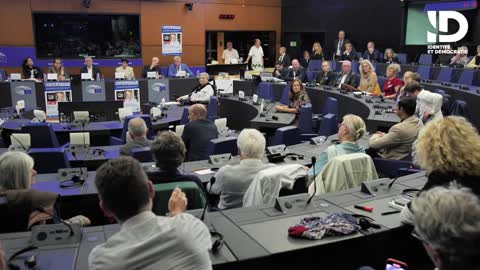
[90,68]
[230,54]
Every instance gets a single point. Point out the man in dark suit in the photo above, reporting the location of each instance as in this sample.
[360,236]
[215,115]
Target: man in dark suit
[339,45]
[279,71]
[90,68]
[372,54]
[349,54]
[347,76]
[296,72]
[283,59]
[153,67]
[136,136]
[198,133]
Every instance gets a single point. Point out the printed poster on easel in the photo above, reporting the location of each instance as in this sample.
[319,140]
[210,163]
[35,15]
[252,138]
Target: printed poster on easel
[56,92]
[172,40]
[129,93]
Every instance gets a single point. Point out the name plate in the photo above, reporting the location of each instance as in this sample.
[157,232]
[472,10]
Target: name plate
[52,76]
[15,76]
[151,75]
[86,76]
[241,94]
[181,73]
[119,75]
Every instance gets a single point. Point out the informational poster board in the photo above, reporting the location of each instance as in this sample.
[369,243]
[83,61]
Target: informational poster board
[158,90]
[172,40]
[56,92]
[129,93]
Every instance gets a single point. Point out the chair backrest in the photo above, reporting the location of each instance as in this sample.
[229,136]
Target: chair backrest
[299,187]
[355,69]
[446,101]
[466,77]
[286,92]
[330,106]
[445,75]
[223,146]
[305,123]
[329,125]
[460,108]
[49,160]
[315,64]
[195,196]
[344,172]
[148,121]
[142,154]
[381,82]
[389,167]
[212,108]
[286,135]
[265,91]
[424,72]
[334,66]
[425,59]
[41,134]
[402,58]
[310,75]
[184,120]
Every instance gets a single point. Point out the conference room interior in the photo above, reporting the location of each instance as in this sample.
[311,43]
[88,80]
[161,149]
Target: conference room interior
[134,137]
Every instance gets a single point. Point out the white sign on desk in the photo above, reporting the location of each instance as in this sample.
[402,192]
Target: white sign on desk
[15,76]
[152,75]
[241,94]
[86,76]
[119,75]
[255,98]
[225,85]
[52,77]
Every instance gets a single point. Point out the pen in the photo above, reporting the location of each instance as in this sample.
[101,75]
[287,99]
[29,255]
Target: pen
[391,212]
[364,208]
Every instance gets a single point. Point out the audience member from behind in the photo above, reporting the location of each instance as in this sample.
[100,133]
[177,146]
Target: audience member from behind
[475,62]
[198,133]
[368,78]
[397,143]
[58,68]
[233,181]
[393,83]
[372,54]
[297,97]
[30,71]
[429,105]
[350,131]
[390,57]
[297,72]
[136,136]
[16,179]
[447,222]
[169,151]
[326,77]
[347,76]
[408,77]
[145,240]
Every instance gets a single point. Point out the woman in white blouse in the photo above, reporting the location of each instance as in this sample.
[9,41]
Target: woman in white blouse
[256,54]
[200,93]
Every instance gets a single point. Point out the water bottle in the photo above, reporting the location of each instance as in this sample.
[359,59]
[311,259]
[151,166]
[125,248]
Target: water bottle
[98,76]
[198,73]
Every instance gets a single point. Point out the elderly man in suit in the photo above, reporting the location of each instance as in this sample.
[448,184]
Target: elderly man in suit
[90,68]
[177,66]
[296,72]
[397,143]
[347,76]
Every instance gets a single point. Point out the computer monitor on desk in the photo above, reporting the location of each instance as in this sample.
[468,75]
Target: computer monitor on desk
[101,110]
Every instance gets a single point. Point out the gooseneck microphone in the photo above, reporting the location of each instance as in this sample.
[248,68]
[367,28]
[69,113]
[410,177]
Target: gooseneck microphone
[314,160]
[55,216]
[212,181]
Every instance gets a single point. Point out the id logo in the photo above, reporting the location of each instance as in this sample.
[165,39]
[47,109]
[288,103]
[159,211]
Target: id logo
[443,17]
[94,89]
[23,90]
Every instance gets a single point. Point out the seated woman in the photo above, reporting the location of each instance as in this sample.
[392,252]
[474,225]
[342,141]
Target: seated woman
[448,150]
[305,59]
[168,151]
[201,93]
[475,63]
[326,77]
[297,96]
[390,57]
[30,71]
[460,58]
[368,78]
[317,51]
[408,77]
[350,131]
[393,83]
[58,68]
[16,179]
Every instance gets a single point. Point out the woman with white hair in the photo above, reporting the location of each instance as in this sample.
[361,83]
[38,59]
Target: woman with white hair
[233,181]
[201,93]
[393,83]
[390,57]
[16,171]
[461,58]
[350,131]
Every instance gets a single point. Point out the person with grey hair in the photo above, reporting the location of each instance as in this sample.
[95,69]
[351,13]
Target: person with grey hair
[90,68]
[461,58]
[475,62]
[350,131]
[17,171]
[177,66]
[201,93]
[136,136]
[447,221]
[347,76]
[233,181]
[169,152]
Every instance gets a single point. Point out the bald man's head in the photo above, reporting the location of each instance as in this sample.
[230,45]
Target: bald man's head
[137,128]
[197,111]
[295,64]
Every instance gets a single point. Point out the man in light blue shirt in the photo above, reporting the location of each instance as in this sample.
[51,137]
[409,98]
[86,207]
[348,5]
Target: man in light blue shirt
[177,66]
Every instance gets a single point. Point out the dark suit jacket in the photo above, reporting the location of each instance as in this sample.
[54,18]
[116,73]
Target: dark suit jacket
[301,74]
[335,45]
[126,150]
[350,80]
[147,69]
[283,72]
[286,62]
[196,136]
[376,56]
[351,57]
[95,70]
[326,79]
[304,62]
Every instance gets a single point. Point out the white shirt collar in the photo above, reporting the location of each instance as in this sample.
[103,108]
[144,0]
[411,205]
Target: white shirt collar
[137,219]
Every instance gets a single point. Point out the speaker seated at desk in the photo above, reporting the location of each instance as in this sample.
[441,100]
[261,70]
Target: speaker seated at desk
[347,76]
[92,72]
[177,66]
[126,70]
[201,93]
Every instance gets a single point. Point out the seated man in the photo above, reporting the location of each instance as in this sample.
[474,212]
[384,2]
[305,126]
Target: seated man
[372,54]
[169,151]
[136,136]
[349,54]
[429,105]
[279,71]
[153,67]
[91,69]
[283,59]
[233,181]
[297,72]
[397,143]
[198,133]
[347,76]
[178,66]
[127,70]
[146,241]
[447,222]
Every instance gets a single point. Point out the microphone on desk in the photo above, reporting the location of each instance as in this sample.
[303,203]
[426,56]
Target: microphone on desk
[218,243]
[314,160]
[391,183]
[212,181]
[55,216]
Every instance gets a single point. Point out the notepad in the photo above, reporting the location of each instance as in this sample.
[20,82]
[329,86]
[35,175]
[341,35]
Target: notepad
[204,172]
